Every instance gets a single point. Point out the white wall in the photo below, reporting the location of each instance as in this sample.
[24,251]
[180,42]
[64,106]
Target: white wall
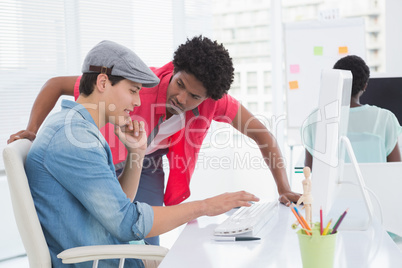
[393,39]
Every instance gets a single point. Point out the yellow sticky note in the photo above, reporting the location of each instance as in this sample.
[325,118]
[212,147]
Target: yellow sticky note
[343,50]
[318,51]
[293,84]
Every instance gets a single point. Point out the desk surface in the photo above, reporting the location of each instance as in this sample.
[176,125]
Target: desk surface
[278,247]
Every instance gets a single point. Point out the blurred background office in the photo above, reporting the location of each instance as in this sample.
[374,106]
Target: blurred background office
[47,38]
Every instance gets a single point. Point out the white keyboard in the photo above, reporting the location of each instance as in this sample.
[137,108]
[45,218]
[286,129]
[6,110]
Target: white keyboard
[248,219]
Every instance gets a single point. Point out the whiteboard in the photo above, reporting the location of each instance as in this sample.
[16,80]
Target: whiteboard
[311,46]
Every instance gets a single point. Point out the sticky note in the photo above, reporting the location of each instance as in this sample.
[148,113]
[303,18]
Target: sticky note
[318,51]
[343,50]
[294,68]
[293,84]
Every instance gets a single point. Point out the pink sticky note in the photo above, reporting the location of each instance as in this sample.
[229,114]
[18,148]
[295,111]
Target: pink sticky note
[294,68]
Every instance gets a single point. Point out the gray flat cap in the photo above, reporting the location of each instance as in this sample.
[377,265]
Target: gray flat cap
[114,59]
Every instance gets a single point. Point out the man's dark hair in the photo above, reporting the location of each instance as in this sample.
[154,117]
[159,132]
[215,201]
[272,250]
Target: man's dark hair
[208,61]
[88,82]
[359,69]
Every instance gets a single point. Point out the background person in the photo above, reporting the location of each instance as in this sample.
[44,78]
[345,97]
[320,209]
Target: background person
[373,131]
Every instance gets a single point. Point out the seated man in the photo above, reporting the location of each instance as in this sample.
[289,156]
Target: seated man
[78,197]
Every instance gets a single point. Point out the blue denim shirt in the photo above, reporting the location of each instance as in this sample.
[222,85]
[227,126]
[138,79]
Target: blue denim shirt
[77,195]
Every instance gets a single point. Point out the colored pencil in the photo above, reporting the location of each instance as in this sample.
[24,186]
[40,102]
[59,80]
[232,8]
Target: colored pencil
[321,228]
[327,228]
[339,222]
[299,220]
[307,226]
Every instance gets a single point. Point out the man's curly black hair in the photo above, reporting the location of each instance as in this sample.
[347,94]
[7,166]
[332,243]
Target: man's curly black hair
[360,71]
[208,61]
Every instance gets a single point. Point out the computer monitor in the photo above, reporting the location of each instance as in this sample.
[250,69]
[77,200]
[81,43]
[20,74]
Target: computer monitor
[329,150]
[385,92]
[332,122]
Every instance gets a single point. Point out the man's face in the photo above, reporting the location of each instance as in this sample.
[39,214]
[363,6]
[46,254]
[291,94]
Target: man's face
[184,93]
[122,98]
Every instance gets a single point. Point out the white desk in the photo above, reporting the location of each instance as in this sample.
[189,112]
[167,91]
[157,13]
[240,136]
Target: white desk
[278,247]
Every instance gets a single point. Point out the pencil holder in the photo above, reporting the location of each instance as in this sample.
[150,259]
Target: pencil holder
[317,251]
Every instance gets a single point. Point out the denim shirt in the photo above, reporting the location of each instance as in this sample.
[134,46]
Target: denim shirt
[77,195]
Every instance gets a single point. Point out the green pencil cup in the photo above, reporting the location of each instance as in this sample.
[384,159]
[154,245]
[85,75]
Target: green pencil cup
[317,251]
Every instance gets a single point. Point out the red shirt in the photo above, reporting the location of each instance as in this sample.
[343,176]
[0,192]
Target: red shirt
[185,144]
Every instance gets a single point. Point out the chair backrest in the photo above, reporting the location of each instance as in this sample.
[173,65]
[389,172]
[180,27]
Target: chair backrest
[29,227]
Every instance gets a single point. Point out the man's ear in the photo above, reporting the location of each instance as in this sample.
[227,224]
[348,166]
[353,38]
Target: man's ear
[101,82]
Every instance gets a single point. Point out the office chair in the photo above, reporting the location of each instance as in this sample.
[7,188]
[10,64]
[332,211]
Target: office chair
[29,227]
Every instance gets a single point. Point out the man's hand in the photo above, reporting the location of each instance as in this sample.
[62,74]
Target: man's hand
[168,217]
[132,135]
[225,202]
[22,134]
[288,197]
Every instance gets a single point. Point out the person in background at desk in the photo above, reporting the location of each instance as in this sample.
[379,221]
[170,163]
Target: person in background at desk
[177,114]
[70,168]
[373,131]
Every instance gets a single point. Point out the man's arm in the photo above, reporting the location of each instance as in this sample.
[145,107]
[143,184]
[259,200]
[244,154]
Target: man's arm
[250,126]
[170,217]
[134,137]
[308,160]
[44,103]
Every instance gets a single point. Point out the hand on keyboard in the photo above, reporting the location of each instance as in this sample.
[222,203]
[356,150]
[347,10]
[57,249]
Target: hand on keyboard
[248,219]
[225,202]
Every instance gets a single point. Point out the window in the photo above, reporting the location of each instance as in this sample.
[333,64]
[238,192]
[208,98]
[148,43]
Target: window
[252,83]
[253,106]
[43,39]
[267,83]
[235,89]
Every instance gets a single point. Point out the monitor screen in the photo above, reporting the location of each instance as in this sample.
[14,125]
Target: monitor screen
[385,92]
